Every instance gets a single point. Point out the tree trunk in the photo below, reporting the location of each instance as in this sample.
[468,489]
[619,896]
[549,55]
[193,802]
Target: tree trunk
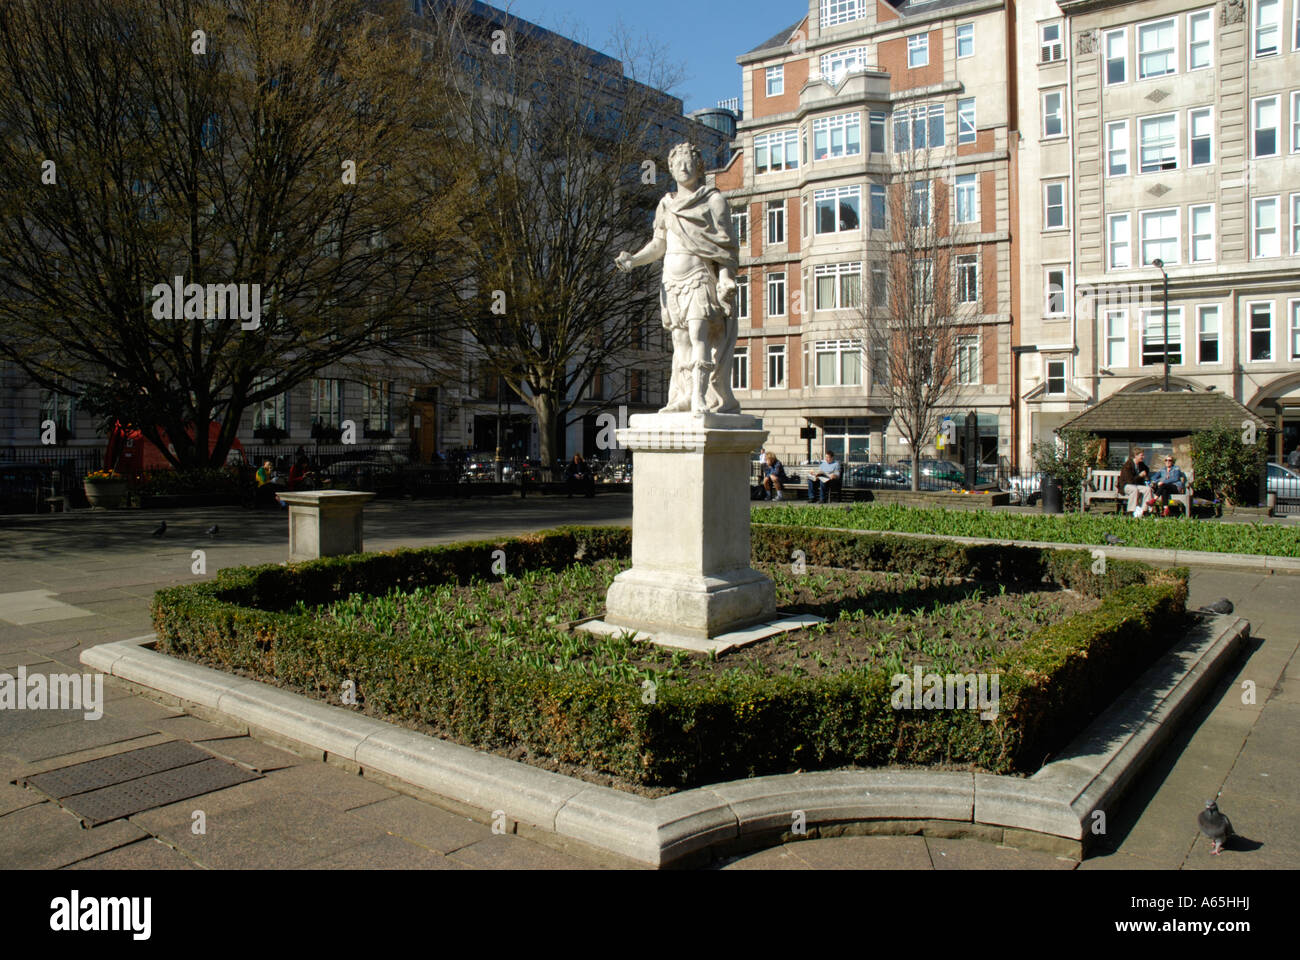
[916,467]
[545,407]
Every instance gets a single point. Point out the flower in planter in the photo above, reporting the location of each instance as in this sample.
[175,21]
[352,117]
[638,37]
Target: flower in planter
[103,475]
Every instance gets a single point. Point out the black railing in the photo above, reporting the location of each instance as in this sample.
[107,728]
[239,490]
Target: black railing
[894,475]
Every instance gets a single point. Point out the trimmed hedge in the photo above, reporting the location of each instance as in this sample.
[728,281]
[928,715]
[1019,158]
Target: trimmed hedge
[728,726]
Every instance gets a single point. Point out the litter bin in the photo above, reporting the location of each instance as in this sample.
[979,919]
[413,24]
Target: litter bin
[1053,499]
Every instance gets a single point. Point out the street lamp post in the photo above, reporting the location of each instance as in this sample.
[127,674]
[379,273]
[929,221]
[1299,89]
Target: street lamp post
[1161,264]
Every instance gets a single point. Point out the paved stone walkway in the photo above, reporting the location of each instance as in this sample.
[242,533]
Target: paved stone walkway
[71,581]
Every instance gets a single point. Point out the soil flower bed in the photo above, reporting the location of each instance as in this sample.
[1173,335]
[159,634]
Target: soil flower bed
[1269,539]
[432,639]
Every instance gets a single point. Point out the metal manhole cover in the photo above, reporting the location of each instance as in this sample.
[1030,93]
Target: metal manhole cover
[156,790]
[119,768]
[113,787]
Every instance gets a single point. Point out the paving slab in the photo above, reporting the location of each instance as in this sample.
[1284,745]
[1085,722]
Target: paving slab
[385,853]
[329,785]
[146,854]
[253,753]
[53,741]
[505,852]
[955,854]
[290,831]
[863,853]
[782,857]
[44,837]
[423,824]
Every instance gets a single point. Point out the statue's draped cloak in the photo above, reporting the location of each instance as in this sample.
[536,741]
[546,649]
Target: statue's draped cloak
[693,220]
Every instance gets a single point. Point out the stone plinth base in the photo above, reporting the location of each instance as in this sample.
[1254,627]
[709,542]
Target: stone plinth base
[717,644]
[324,523]
[690,573]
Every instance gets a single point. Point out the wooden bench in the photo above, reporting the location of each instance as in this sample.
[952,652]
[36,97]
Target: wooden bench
[1104,485]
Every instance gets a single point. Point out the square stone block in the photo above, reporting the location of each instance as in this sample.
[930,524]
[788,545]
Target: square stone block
[325,523]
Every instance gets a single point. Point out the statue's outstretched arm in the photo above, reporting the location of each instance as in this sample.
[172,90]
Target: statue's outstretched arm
[652,251]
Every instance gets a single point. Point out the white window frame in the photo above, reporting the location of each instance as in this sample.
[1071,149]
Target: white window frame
[1202,311]
[835,195]
[970,368]
[1255,203]
[1255,104]
[877,190]
[1248,309]
[919,44]
[1167,152]
[966,183]
[776,80]
[969,29]
[1192,138]
[1064,364]
[849,60]
[843,123]
[1064,271]
[1114,346]
[1295,112]
[914,204]
[1257,23]
[1127,243]
[740,368]
[963,261]
[1208,17]
[1171,51]
[785,139]
[1293,331]
[1175,238]
[1295,224]
[1145,321]
[1112,150]
[1051,51]
[1295,26]
[1211,237]
[838,271]
[839,349]
[966,111]
[773,351]
[1047,204]
[841,11]
[742,296]
[740,226]
[1058,114]
[773,222]
[775,285]
[1107,59]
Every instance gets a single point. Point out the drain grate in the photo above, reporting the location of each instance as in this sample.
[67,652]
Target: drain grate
[155,790]
[119,768]
[110,788]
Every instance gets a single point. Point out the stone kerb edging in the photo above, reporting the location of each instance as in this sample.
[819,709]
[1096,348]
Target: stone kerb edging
[1054,807]
[1259,562]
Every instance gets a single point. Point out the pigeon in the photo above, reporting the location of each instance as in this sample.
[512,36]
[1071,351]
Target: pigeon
[1215,826]
[1113,540]
[1222,605]
[160,529]
[213,530]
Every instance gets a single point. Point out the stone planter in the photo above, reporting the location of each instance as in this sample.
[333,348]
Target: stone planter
[108,494]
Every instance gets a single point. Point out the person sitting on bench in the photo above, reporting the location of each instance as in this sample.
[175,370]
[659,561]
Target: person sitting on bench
[825,475]
[774,478]
[578,476]
[1134,480]
[1166,482]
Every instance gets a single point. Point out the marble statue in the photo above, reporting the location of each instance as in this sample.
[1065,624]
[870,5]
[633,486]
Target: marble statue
[693,236]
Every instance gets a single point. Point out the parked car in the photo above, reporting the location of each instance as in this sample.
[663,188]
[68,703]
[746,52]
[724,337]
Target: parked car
[878,475]
[1025,489]
[937,474]
[371,474]
[1284,482]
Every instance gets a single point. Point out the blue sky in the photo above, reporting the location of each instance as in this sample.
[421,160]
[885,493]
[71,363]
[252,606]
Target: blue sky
[705,38]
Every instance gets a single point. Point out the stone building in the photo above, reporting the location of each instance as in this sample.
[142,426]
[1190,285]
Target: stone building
[830,103]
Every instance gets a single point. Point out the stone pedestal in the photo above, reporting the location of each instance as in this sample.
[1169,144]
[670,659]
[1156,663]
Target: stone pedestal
[324,523]
[690,573]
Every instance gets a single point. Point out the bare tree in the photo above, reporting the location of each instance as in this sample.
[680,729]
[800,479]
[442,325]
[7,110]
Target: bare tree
[570,156]
[298,149]
[924,286]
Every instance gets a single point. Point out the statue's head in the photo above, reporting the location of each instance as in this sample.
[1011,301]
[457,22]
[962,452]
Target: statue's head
[684,160]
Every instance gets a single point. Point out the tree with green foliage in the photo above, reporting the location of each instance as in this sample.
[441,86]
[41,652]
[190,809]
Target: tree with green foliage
[1069,459]
[1224,464]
